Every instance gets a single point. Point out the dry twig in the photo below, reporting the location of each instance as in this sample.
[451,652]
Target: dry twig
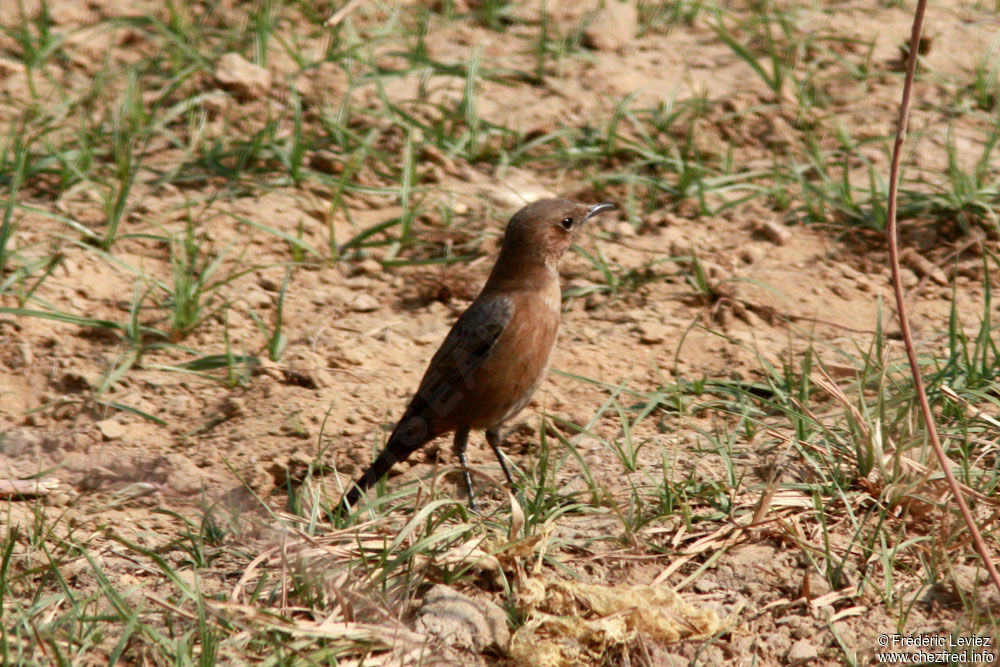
[12,488]
[904,324]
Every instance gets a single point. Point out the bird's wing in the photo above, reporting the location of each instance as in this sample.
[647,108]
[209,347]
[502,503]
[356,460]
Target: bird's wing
[448,379]
[469,343]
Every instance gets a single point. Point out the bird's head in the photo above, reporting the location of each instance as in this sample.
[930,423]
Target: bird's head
[542,231]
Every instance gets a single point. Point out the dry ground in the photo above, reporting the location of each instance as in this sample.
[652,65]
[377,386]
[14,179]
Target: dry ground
[374,164]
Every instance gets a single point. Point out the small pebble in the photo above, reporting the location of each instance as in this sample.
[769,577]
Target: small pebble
[239,76]
[363,303]
[774,232]
[110,429]
[802,650]
[613,27]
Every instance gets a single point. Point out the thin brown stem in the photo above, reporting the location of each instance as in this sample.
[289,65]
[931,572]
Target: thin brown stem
[897,284]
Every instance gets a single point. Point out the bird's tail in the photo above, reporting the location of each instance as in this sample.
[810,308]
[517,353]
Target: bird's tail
[410,434]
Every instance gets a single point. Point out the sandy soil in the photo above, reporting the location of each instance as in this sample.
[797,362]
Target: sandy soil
[359,333]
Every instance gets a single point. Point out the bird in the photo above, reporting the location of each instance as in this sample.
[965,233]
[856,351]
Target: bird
[498,351]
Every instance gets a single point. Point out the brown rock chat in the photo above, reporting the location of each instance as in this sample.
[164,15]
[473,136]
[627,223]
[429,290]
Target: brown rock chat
[497,353]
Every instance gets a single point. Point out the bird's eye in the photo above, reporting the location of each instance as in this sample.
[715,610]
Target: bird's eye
[567,223]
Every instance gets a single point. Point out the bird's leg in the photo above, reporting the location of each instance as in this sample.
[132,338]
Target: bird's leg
[461,442]
[493,438]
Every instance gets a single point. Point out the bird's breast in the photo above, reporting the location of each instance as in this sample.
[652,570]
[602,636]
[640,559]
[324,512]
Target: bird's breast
[520,358]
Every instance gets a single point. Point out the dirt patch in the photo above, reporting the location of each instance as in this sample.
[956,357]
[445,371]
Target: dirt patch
[143,397]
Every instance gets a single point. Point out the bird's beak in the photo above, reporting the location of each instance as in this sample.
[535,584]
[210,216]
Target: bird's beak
[594,209]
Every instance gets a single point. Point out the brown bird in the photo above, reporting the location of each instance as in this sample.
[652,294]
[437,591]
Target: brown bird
[498,351]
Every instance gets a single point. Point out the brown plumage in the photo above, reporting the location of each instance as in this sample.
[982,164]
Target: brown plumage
[498,351]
